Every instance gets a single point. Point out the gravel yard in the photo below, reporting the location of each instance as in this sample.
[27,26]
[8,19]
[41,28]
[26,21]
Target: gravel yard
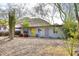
[27,46]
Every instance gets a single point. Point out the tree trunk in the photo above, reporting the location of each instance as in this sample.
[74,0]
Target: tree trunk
[78,30]
[77,17]
[11,33]
[12,24]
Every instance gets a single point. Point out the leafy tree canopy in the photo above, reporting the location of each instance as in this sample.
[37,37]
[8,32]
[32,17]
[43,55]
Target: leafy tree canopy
[25,22]
[3,22]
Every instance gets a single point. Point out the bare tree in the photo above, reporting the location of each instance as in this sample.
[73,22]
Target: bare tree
[42,10]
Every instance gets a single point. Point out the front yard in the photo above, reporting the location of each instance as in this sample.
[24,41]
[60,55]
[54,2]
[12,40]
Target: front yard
[33,47]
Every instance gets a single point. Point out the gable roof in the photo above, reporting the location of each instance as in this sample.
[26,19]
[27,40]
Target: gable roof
[35,22]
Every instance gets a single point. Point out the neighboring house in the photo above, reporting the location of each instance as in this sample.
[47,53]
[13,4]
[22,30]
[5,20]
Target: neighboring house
[3,29]
[41,28]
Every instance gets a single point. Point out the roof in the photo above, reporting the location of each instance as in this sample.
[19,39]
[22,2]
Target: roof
[38,22]
[34,22]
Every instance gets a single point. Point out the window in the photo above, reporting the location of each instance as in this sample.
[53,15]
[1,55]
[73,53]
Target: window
[39,30]
[55,30]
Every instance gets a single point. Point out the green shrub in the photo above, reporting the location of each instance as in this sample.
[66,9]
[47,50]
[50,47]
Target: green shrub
[69,26]
[25,23]
[71,44]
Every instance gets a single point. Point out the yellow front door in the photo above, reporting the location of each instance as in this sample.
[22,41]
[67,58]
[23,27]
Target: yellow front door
[33,32]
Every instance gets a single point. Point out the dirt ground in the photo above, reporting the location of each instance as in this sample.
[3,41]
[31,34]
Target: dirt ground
[30,46]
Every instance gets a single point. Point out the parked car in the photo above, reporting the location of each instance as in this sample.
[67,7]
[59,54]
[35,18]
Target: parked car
[24,34]
[17,31]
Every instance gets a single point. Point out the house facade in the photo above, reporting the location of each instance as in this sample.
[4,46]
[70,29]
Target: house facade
[41,28]
[46,31]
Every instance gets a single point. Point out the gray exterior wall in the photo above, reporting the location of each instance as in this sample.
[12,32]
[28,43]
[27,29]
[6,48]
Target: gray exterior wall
[47,32]
[59,33]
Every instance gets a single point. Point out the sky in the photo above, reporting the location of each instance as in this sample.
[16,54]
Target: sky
[39,1]
[56,17]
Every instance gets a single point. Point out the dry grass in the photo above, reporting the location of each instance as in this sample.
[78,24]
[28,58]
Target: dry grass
[55,51]
[33,47]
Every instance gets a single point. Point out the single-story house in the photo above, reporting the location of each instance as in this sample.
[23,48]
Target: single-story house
[41,28]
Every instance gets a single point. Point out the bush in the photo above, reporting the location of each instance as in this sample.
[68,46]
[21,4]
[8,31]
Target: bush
[69,26]
[25,23]
[71,44]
